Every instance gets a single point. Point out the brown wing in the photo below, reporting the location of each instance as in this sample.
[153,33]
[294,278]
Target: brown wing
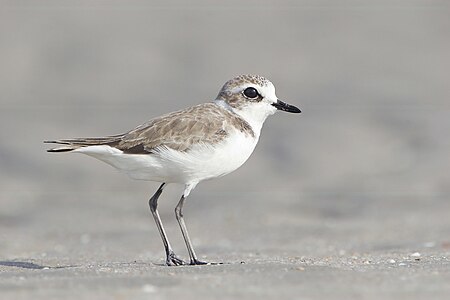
[202,123]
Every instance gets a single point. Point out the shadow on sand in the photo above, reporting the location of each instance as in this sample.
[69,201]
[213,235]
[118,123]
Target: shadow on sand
[28,265]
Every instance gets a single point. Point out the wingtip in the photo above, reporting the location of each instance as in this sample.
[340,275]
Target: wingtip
[67,148]
[59,150]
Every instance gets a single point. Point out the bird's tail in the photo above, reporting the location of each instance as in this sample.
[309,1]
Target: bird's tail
[68,145]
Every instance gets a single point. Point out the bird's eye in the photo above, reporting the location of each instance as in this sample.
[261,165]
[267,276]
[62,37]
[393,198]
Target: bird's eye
[251,93]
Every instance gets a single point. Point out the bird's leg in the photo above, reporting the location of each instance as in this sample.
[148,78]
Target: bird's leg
[171,258]
[187,240]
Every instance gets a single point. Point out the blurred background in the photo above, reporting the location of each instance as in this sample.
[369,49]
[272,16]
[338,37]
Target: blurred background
[364,168]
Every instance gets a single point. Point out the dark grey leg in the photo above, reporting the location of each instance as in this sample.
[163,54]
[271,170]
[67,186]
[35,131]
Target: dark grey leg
[171,258]
[187,240]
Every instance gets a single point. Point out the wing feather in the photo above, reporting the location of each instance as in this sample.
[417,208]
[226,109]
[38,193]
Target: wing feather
[205,123]
[178,130]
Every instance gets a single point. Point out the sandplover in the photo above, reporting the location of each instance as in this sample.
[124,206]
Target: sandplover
[202,142]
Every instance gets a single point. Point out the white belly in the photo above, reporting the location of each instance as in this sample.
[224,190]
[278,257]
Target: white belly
[201,162]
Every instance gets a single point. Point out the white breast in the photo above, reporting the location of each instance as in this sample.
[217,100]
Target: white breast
[201,162]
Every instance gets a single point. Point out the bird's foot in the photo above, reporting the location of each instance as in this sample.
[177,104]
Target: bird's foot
[196,262]
[173,260]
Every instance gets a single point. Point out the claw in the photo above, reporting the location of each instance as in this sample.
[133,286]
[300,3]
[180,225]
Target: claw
[197,262]
[173,260]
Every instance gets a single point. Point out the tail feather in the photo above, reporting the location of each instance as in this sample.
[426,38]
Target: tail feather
[61,149]
[72,144]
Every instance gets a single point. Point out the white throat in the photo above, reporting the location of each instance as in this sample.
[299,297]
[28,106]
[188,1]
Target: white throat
[254,113]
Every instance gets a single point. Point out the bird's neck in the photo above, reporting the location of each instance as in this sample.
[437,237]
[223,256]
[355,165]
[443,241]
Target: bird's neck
[254,117]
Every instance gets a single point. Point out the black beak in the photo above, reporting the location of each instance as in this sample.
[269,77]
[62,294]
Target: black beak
[280,105]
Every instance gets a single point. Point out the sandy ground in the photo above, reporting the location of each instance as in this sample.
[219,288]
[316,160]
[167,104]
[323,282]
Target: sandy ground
[72,250]
[349,200]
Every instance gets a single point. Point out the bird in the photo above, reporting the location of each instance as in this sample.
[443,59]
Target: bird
[188,146]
